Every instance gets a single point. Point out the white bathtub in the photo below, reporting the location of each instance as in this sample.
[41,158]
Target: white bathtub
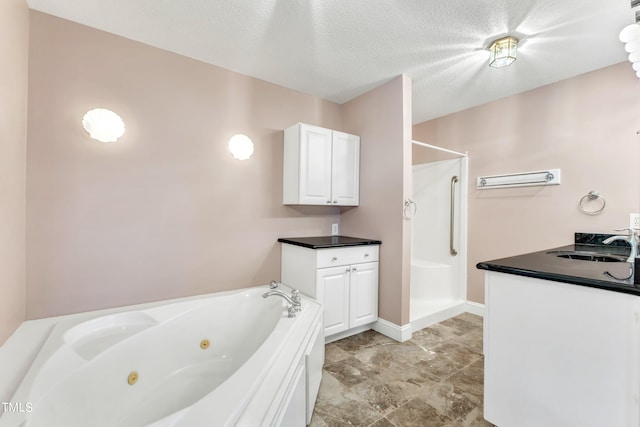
[231,358]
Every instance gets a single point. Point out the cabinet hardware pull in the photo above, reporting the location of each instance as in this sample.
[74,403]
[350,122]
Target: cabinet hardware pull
[328,202]
[366,255]
[348,269]
[335,201]
[354,269]
[334,259]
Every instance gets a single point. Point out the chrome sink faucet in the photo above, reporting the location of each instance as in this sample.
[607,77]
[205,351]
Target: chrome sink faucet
[631,238]
[295,302]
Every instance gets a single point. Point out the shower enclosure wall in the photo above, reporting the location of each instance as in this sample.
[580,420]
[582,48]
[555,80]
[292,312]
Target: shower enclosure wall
[439,241]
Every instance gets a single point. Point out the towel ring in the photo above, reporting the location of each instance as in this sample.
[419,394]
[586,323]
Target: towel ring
[593,195]
[411,207]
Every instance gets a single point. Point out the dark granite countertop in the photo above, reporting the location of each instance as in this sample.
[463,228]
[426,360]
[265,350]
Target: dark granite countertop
[323,242]
[546,265]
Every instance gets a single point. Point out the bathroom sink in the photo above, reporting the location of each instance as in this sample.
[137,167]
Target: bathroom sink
[588,256]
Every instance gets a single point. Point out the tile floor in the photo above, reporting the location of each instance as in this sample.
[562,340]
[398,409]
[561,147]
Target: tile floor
[433,380]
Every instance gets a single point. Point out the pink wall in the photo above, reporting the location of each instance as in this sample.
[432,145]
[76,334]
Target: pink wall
[587,126]
[14,45]
[166,211]
[382,117]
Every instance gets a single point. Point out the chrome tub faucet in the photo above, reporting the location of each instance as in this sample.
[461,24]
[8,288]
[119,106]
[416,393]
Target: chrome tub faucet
[295,302]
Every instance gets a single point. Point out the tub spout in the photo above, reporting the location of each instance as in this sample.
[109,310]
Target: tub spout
[293,300]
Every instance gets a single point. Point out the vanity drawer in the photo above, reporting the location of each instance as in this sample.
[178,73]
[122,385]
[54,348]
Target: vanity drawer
[347,255]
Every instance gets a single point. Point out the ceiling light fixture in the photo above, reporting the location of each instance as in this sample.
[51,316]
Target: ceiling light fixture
[630,36]
[502,52]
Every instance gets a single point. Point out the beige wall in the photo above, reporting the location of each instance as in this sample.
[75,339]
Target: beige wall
[14,45]
[382,117]
[587,126]
[166,211]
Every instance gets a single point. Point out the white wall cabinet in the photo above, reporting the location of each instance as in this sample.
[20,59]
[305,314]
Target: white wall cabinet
[344,280]
[321,167]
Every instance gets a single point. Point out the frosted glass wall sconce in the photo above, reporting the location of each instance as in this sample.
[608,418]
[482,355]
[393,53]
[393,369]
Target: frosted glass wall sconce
[241,146]
[103,125]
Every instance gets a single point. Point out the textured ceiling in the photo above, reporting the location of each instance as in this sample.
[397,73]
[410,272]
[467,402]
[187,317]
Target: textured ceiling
[339,49]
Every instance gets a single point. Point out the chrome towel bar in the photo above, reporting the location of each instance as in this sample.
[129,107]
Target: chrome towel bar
[524,179]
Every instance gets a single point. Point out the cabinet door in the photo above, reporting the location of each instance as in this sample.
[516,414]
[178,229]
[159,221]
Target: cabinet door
[315,165]
[345,172]
[333,292]
[363,294]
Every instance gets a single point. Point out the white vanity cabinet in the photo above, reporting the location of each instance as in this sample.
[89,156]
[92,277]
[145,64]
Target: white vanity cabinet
[558,354]
[321,167]
[344,280]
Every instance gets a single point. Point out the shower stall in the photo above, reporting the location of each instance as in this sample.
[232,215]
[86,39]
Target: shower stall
[438,211]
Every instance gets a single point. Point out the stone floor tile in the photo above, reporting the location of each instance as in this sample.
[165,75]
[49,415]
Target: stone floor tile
[430,337]
[472,341]
[458,325]
[337,407]
[436,368]
[418,413]
[475,419]
[458,351]
[386,395]
[449,400]
[347,413]
[382,422]
[472,318]
[470,379]
[434,379]
[350,371]
[365,339]
[333,353]
[317,421]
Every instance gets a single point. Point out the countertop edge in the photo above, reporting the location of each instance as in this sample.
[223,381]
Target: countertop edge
[361,242]
[580,281]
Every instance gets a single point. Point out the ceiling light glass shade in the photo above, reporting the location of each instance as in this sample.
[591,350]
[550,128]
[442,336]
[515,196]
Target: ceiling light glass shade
[503,52]
[103,125]
[241,146]
[629,33]
[630,36]
[632,46]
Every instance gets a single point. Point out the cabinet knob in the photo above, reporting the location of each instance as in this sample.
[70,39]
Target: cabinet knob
[366,255]
[354,269]
[328,202]
[348,269]
[335,201]
[334,259]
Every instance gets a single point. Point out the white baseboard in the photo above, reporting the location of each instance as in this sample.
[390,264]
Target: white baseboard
[347,333]
[439,316]
[475,308]
[393,331]
[403,333]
